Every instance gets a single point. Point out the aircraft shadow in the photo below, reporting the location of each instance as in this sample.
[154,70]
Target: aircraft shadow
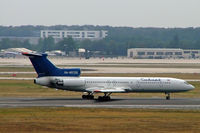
[52,99]
[98,101]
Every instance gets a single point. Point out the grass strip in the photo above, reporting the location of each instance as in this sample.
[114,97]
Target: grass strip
[91,120]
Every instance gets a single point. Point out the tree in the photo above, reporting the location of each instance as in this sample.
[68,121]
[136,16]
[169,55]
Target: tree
[175,43]
[26,44]
[86,44]
[46,44]
[5,43]
[67,44]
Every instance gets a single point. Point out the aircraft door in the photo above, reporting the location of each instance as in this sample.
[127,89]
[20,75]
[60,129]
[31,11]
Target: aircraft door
[108,83]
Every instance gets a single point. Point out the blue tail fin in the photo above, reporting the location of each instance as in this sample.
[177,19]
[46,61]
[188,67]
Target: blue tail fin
[44,67]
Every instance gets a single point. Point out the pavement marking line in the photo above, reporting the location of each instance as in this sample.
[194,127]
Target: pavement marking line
[139,106]
[13,78]
[17,73]
[12,102]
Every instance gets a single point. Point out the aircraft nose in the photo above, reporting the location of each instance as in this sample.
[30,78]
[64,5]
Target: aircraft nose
[191,87]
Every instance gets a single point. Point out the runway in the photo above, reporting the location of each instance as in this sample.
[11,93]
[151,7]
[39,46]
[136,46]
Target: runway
[116,102]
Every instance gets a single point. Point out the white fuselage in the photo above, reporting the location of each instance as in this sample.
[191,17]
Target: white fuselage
[131,84]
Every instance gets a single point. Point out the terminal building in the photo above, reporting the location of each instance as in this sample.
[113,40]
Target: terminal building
[161,53]
[75,34]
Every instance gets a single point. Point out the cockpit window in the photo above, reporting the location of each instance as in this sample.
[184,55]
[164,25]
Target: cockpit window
[186,83]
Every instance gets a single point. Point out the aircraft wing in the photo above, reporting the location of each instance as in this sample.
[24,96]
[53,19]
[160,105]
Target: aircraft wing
[108,90]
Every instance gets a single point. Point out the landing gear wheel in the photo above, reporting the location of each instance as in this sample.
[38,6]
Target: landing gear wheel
[84,96]
[168,96]
[100,98]
[107,98]
[104,98]
[89,97]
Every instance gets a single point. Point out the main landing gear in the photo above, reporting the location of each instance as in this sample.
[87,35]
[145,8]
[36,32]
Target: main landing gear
[89,96]
[167,96]
[106,97]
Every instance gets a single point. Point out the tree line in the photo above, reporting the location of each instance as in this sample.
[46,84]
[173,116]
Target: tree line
[117,42]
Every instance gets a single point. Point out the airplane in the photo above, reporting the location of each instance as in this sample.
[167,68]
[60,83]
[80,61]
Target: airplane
[69,79]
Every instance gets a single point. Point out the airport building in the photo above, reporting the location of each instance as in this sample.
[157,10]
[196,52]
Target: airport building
[75,34]
[161,53]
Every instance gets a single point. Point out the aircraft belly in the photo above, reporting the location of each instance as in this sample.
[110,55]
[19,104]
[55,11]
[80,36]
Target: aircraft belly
[73,88]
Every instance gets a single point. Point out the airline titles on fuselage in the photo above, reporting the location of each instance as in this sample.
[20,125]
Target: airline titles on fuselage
[151,79]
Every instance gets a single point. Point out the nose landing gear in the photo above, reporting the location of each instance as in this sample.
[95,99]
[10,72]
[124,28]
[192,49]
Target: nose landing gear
[167,96]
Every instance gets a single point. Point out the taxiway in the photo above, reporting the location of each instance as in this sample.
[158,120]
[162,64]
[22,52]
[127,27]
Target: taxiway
[116,102]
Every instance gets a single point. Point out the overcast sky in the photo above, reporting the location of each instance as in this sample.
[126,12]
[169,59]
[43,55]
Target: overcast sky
[133,13]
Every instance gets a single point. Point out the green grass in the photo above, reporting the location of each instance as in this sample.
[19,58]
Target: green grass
[89,120]
[16,69]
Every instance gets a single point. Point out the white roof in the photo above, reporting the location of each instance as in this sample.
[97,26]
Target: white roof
[156,49]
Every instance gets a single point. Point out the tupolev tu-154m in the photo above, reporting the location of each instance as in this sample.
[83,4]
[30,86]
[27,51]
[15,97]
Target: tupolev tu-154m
[69,79]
